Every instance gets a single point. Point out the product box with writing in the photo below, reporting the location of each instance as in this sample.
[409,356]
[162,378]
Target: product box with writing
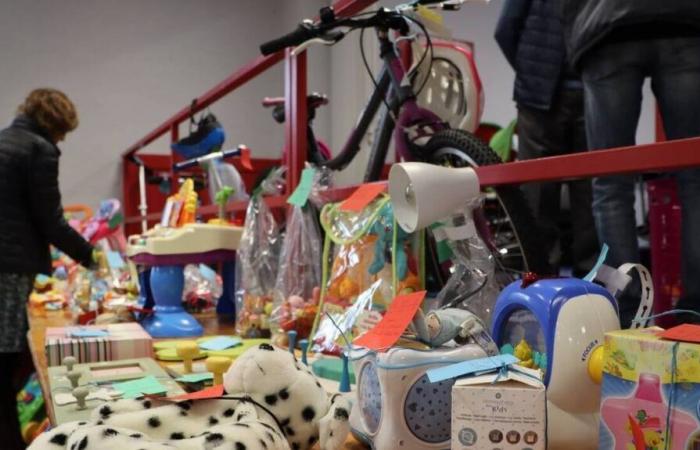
[650,392]
[499,411]
[97,343]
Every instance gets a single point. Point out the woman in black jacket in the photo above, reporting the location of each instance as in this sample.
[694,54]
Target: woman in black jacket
[31,218]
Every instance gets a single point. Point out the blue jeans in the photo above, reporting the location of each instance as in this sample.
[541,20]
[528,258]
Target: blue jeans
[613,74]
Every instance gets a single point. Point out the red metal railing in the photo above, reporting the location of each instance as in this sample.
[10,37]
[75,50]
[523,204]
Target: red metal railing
[295,89]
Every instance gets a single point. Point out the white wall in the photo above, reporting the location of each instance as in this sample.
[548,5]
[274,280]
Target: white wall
[130,64]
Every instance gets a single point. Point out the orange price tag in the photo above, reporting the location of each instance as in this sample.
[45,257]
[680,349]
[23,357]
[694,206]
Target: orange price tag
[211,392]
[685,333]
[362,197]
[245,158]
[394,322]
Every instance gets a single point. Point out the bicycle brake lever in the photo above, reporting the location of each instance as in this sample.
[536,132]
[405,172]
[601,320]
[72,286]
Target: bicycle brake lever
[330,39]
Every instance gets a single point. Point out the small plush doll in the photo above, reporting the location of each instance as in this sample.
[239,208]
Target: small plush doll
[273,402]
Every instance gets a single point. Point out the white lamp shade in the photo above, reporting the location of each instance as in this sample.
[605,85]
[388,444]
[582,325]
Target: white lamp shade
[422,194]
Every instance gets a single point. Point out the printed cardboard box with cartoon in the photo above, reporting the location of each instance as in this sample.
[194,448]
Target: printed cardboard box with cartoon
[644,405]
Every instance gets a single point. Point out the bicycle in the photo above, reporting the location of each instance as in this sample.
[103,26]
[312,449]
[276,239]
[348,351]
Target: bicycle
[507,225]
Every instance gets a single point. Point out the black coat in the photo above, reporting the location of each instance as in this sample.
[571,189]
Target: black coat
[588,22]
[31,215]
[531,36]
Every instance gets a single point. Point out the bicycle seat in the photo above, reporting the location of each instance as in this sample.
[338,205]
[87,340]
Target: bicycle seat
[313,101]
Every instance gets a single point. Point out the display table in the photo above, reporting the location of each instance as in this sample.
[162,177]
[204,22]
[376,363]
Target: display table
[40,320]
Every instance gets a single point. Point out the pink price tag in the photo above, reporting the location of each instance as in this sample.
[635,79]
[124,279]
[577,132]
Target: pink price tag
[394,322]
[362,197]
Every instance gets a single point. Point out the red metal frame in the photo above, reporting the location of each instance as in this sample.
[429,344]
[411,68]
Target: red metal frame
[295,82]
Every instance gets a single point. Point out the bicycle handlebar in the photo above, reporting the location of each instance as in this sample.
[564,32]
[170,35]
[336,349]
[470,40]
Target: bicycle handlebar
[215,155]
[303,33]
[306,31]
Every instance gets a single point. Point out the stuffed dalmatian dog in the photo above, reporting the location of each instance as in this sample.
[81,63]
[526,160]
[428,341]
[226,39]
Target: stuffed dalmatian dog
[273,402]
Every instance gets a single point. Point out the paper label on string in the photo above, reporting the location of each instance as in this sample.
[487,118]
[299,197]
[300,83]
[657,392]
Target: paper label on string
[212,392]
[195,377]
[246,162]
[474,366]
[79,332]
[362,197]
[220,343]
[601,259]
[301,194]
[684,333]
[394,323]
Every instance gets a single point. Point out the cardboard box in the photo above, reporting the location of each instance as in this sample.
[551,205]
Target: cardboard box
[637,395]
[123,341]
[508,414]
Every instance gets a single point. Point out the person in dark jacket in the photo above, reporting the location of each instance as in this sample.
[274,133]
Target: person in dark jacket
[616,44]
[31,219]
[550,121]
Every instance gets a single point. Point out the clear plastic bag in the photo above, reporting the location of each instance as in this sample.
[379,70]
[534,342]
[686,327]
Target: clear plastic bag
[203,287]
[221,174]
[370,253]
[472,285]
[297,288]
[258,257]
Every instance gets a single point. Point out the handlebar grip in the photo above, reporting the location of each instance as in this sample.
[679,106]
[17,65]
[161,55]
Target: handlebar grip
[296,37]
[182,165]
[195,161]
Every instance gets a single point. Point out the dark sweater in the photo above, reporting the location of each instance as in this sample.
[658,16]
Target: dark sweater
[31,215]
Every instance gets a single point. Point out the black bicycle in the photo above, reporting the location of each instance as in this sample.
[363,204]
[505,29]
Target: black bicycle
[419,134]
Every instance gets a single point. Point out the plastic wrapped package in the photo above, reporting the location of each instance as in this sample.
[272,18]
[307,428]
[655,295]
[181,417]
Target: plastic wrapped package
[297,288]
[203,287]
[365,248]
[473,283]
[258,257]
[222,174]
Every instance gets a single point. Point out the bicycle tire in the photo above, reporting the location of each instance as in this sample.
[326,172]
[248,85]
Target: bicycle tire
[459,148]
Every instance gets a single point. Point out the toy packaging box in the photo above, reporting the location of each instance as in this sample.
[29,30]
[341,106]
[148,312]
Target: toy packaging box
[97,343]
[644,407]
[499,412]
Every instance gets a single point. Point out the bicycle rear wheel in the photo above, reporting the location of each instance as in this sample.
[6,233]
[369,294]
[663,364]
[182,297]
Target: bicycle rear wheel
[512,234]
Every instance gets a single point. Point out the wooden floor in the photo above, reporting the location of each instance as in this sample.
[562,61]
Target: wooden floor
[39,320]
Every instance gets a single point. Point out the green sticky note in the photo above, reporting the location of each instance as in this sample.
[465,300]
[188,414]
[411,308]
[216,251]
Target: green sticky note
[195,377]
[140,386]
[301,194]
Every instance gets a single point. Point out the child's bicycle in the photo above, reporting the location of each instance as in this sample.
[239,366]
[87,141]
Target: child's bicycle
[419,134]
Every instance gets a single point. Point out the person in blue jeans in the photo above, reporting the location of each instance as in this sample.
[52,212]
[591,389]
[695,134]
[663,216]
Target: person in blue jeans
[616,44]
[549,96]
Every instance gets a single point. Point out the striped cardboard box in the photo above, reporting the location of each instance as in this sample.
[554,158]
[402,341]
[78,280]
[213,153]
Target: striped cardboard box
[125,341]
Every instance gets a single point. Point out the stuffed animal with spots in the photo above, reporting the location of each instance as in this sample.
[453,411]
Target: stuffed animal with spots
[272,402]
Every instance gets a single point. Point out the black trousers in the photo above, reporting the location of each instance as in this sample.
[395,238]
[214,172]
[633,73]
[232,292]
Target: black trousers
[12,371]
[559,131]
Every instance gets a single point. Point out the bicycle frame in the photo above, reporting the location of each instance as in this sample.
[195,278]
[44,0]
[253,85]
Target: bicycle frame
[393,87]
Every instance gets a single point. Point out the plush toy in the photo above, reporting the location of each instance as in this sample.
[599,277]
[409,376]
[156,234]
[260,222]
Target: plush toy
[274,402]
[383,228]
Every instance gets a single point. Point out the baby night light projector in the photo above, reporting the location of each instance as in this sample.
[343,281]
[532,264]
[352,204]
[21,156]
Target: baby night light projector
[397,407]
